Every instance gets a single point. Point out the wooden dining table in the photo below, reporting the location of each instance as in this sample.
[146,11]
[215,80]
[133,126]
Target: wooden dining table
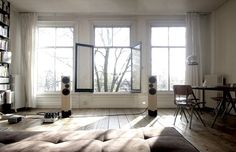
[226,97]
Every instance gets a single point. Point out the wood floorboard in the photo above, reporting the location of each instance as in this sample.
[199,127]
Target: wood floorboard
[113,119]
[122,119]
[221,138]
[103,122]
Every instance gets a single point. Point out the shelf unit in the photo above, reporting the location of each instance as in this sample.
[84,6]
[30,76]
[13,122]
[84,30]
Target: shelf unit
[5,54]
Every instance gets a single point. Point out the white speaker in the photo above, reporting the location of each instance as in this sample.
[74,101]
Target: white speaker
[152,96]
[65,96]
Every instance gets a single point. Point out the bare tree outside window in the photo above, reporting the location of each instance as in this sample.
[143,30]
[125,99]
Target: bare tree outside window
[112,60]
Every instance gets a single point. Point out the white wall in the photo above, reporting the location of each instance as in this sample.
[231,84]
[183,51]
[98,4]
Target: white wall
[224,20]
[101,100]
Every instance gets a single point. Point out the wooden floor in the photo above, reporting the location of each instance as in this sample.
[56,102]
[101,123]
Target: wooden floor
[221,138]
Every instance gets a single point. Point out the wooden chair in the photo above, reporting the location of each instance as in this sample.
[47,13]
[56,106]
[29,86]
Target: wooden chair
[185,100]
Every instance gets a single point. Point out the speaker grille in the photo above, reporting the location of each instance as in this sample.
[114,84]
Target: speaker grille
[151,85]
[65,80]
[152,79]
[67,86]
[152,91]
[65,92]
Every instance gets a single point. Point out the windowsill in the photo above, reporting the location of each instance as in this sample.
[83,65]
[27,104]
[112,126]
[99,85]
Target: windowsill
[113,93]
[94,93]
[164,92]
[51,94]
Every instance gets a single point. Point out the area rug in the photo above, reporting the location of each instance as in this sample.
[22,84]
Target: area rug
[3,128]
[152,139]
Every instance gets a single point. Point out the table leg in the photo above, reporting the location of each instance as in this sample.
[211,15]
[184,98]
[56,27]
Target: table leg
[231,101]
[233,105]
[203,98]
[218,113]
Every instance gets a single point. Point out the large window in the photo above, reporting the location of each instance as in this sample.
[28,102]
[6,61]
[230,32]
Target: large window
[168,56]
[112,59]
[54,57]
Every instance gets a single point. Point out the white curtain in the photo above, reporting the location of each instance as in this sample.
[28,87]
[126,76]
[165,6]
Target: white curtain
[194,47]
[28,31]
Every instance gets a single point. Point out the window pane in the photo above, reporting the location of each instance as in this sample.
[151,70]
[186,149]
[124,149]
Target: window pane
[112,65]
[64,36]
[103,36]
[159,36]
[177,66]
[136,68]
[112,69]
[64,65]
[121,36]
[160,67]
[177,36]
[46,36]
[45,65]
[99,59]
[53,62]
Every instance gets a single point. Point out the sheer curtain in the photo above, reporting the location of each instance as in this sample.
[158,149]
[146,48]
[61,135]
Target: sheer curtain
[194,47]
[28,31]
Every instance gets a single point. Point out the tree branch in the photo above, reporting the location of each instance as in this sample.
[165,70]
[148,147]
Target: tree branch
[98,79]
[115,77]
[123,73]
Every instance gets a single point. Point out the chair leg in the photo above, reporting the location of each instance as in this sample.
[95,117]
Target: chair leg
[181,113]
[199,108]
[216,108]
[188,113]
[191,117]
[177,111]
[200,118]
[195,112]
[195,115]
[230,109]
[217,114]
[225,110]
[185,115]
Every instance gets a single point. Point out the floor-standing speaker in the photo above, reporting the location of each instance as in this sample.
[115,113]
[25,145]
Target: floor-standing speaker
[65,97]
[152,96]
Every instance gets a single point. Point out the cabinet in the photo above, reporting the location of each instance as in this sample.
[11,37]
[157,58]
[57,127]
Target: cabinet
[5,54]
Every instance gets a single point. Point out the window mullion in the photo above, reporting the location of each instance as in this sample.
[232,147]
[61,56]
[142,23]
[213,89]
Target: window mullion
[55,59]
[112,31]
[168,58]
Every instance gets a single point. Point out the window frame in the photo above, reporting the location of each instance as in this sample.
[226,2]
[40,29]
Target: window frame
[165,23]
[77,88]
[54,24]
[139,90]
[107,23]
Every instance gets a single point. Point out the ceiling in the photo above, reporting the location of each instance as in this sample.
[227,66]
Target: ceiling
[125,7]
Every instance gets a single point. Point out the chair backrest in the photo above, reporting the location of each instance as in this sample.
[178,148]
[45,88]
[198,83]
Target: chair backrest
[182,91]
